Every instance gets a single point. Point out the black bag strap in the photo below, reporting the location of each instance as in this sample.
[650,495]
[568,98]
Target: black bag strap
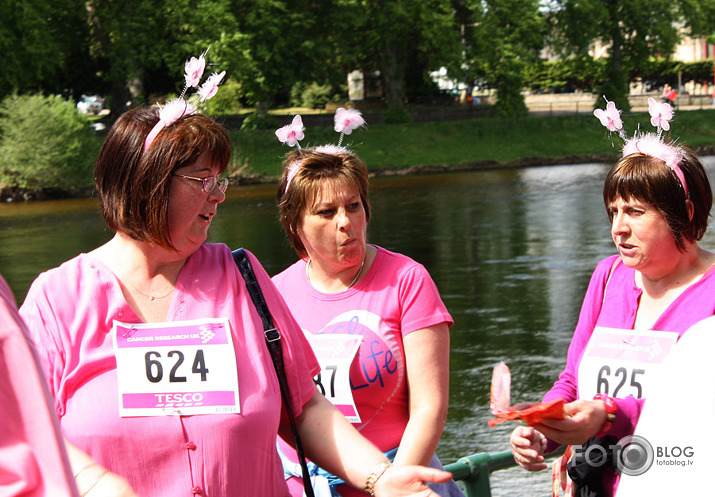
[273,340]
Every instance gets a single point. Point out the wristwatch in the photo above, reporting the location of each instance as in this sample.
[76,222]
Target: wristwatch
[611,410]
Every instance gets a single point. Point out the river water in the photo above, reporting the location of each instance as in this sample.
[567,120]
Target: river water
[510,250]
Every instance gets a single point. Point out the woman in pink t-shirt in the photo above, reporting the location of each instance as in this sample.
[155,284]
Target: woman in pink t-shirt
[347,294]
[154,351]
[658,199]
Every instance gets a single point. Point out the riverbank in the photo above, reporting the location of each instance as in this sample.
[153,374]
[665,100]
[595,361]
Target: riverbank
[469,144]
[442,146]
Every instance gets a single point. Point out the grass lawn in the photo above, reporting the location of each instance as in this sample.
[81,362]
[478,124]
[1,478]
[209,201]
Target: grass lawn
[479,142]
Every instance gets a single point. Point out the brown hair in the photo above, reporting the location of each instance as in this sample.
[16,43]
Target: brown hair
[134,186]
[314,168]
[650,180]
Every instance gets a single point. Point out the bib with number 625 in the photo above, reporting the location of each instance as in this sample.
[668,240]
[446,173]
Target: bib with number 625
[619,362]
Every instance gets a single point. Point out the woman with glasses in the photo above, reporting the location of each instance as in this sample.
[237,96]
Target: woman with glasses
[155,353]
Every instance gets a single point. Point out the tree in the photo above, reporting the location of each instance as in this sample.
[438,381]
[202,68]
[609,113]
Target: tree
[44,143]
[126,38]
[141,45]
[284,42]
[41,42]
[389,35]
[633,31]
[501,37]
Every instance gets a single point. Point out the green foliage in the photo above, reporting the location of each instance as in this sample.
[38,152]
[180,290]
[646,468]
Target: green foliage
[634,30]
[503,37]
[390,35]
[43,43]
[510,101]
[660,71]
[589,74]
[700,71]
[256,120]
[615,88]
[44,143]
[312,95]
[226,101]
[575,73]
[396,115]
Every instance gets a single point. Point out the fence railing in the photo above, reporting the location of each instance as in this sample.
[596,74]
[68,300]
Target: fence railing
[474,470]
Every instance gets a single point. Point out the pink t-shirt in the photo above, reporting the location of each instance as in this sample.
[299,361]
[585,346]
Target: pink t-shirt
[618,310]
[70,311]
[33,460]
[395,298]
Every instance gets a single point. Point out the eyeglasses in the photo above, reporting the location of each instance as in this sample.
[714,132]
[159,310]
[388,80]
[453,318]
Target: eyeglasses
[209,184]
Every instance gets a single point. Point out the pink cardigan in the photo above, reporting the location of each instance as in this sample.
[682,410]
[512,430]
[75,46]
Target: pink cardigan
[618,310]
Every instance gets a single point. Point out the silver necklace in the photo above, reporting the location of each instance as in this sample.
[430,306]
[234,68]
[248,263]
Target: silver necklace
[150,297]
[153,297]
[362,264]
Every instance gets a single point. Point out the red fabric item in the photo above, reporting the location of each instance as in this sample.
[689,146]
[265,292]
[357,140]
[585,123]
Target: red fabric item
[531,415]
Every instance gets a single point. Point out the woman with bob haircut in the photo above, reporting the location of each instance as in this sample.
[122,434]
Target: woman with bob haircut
[638,303]
[384,307]
[155,353]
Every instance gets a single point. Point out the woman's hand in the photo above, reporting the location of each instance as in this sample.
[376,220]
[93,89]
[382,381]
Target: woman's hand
[584,418]
[528,447]
[409,481]
[95,481]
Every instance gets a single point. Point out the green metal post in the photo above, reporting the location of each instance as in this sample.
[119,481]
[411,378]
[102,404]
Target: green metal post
[474,470]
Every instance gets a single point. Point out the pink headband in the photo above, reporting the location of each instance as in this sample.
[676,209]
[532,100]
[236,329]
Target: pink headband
[346,120]
[295,165]
[168,114]
[292,169]
[178,107]
[647,143]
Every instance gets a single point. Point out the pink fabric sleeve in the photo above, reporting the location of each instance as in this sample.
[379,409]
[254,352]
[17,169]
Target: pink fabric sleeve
[33,460]
[566,387]
[421,303]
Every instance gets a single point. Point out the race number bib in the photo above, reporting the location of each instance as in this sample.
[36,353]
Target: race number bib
[176,368]
[335,354]
[619,363]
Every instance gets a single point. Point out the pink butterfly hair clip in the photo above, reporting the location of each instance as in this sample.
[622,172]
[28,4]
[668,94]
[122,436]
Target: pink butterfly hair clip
[650,144]
[611,118]
[291,134]
[179,107]
[345,122]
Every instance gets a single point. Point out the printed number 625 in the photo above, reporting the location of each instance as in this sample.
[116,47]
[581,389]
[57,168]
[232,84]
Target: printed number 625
[617,379]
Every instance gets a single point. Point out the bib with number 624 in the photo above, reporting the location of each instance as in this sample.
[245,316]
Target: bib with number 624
[619,362]
[176,368]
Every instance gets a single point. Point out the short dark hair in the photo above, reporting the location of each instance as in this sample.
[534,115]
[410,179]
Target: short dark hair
[134,186]
[314,168]
[649,179]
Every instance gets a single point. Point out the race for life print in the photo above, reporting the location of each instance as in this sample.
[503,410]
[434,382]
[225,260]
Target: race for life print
[378,370]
